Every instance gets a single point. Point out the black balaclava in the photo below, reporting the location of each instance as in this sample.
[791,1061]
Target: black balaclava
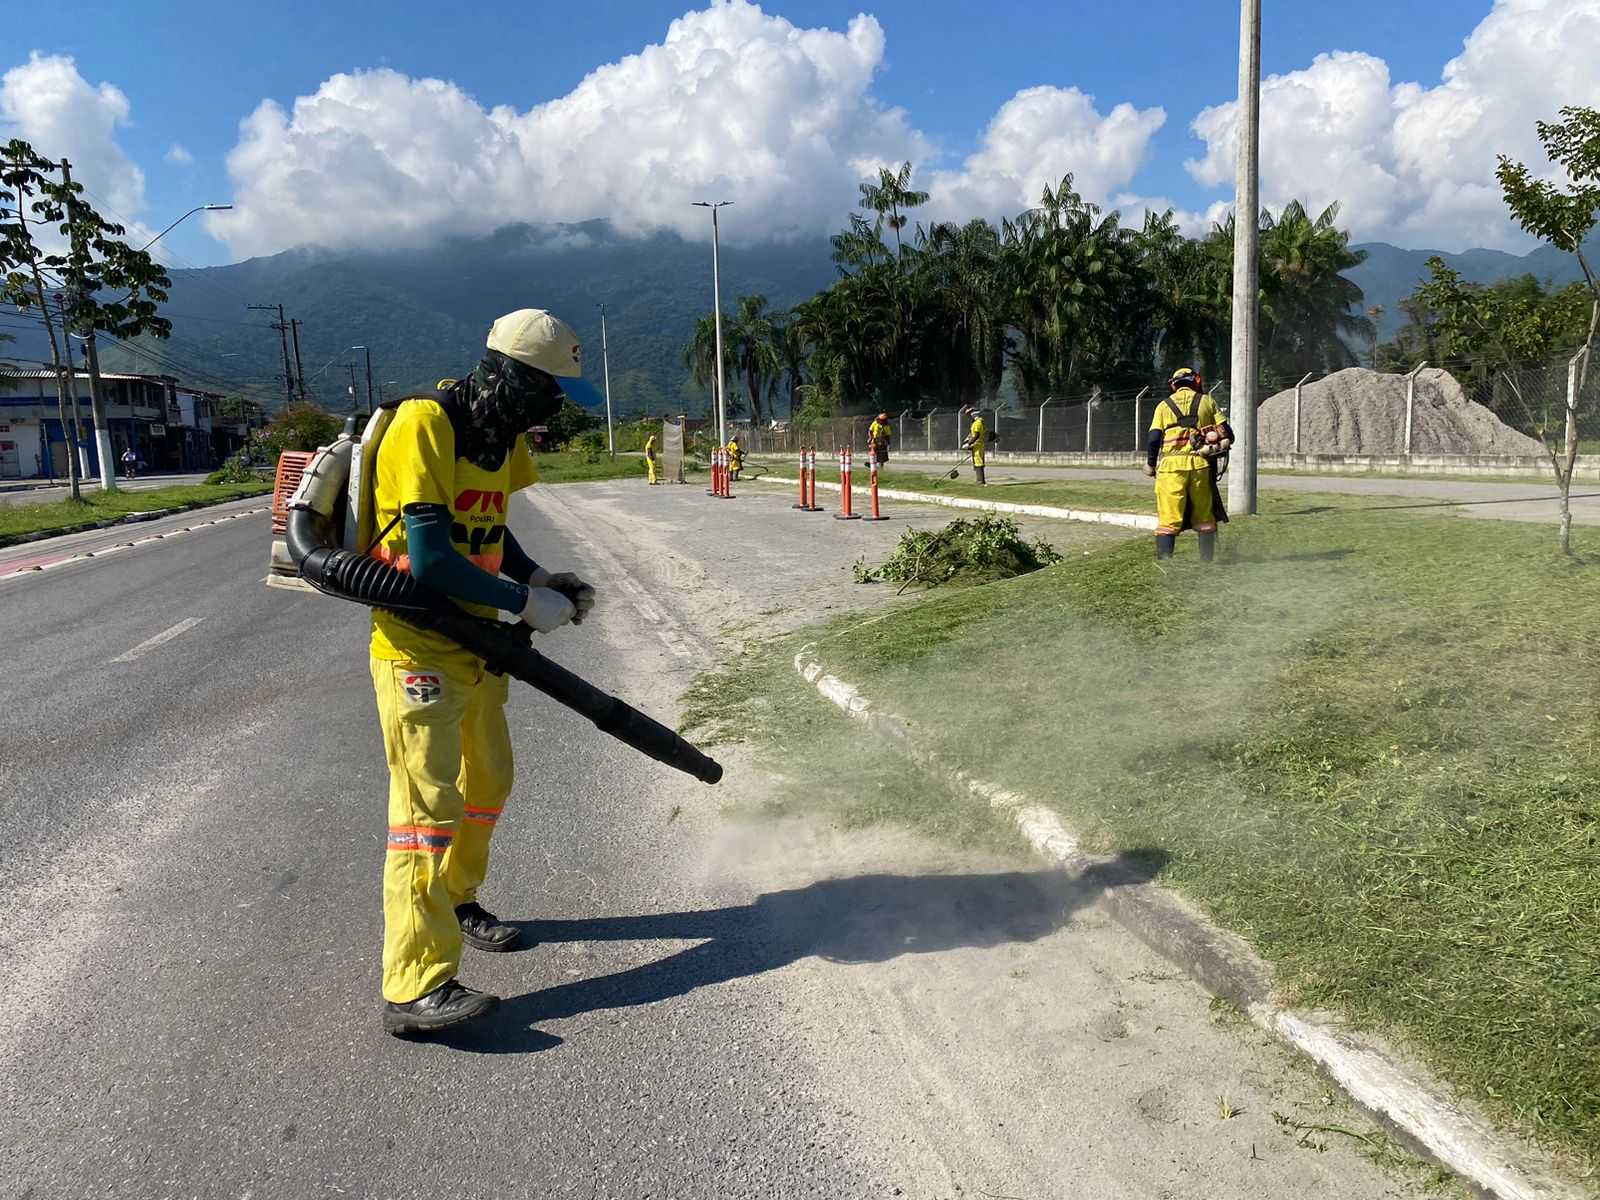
[500,399]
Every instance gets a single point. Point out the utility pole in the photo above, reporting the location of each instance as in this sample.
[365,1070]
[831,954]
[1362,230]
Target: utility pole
[81,457]
[299,371]
[283,337]
[368,352]
[97,405]
[1242,496]
[716,299]
[605,362]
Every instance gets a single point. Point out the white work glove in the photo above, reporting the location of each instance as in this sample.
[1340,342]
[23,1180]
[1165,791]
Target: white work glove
[1149,470]
[547,609]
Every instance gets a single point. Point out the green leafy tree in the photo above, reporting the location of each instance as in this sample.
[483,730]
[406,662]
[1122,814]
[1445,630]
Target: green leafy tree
[1313,319]
[298,427]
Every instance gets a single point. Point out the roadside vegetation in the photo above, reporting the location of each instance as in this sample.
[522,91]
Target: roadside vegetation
[1366,740]
[61,516]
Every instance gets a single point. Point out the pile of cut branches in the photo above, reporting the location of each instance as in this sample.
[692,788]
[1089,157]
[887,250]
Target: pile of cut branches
[980,550]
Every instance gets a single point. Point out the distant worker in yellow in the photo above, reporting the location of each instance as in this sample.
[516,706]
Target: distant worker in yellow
[650,458]
[735,456]
[879,434]
[978,437]
[1188,439]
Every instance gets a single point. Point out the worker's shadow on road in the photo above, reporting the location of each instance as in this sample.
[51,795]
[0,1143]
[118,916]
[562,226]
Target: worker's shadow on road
[863,919]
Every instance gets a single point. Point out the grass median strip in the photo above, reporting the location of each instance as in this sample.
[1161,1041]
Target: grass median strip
[1367,740]
[19,520]
[575,466]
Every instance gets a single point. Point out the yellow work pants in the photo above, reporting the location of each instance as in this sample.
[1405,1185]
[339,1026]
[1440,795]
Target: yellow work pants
[650,465]
[977,454]
[1181,492]
[444,732]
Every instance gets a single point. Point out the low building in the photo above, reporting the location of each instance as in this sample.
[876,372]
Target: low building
[169,426]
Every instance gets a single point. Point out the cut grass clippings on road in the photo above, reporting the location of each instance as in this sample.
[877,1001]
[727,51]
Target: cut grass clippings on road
[1367,740]
[19,520]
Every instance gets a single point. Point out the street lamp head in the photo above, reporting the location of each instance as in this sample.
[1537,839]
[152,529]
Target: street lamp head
[216,208]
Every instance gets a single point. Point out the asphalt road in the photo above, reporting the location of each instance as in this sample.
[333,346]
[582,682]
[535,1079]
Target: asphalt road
[193,786]
[143,483]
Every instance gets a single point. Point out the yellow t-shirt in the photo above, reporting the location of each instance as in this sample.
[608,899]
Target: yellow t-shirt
[1175,455]
[417,464]
[978,435]
[878,431]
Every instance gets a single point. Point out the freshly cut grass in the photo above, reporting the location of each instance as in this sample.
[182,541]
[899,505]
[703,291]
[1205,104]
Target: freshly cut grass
[1367,740]
[18,520]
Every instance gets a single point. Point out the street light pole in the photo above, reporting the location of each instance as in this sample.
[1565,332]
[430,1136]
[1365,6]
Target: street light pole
[605,362]
[91,355]
[1242,496]
[716,299]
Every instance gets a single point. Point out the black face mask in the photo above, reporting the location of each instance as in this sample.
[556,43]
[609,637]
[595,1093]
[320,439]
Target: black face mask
[499,400]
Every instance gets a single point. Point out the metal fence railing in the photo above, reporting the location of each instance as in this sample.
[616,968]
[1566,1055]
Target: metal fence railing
[1446,408]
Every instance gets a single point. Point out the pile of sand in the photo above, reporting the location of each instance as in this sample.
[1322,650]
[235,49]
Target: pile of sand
[1356,411]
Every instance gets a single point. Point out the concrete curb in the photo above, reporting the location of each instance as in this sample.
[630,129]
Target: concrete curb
[154,514]
[1098,516]
[1402,1097]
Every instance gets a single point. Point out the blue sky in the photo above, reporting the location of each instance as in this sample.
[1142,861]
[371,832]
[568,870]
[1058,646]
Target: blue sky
[190,72]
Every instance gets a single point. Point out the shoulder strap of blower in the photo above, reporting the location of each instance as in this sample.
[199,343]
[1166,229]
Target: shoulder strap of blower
[1191,420]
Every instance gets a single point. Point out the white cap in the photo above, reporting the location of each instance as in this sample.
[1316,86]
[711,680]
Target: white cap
[534,337]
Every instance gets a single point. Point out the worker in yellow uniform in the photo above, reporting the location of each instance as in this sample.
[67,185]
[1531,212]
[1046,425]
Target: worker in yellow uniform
[446,470]
[978,437]
[735,456]
[879,434]
[1188,438]
[650,458]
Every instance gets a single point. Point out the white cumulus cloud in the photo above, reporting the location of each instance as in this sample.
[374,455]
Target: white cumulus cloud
[47,103]
[732,104]
[1038,136]
[1411,163]
[178,155]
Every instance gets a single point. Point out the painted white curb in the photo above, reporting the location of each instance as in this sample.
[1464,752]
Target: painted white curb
[1401,1096]
[1097,516]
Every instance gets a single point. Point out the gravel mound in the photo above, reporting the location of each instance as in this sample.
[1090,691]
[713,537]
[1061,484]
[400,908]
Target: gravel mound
[1357,411]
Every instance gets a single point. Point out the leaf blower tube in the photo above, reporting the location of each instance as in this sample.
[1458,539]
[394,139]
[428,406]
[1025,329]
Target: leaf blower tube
[503,647]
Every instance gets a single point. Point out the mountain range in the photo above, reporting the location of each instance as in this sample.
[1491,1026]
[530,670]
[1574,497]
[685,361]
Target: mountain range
[423,313]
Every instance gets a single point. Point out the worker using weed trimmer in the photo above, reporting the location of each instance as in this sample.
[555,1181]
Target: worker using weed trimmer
[1187,445]
[977,438]
[879,434]
[650,458]
[735,456]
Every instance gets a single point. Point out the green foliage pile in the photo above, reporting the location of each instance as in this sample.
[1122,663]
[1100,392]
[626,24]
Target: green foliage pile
[238,469]
[977,550]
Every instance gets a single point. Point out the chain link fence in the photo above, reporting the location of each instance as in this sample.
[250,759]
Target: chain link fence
[1464,408]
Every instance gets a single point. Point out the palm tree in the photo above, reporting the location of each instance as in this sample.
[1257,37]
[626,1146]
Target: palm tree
[750,342]
[890,197]
[1313,312]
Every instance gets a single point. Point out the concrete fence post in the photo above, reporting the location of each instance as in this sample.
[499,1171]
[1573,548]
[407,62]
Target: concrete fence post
[1039,449]
[1138,434]
[1088,420]
[1297,388]
[903,416]
[1574,368]
[928,423]
[1411,400]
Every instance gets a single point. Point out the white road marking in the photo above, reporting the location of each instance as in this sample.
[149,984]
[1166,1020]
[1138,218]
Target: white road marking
[160,639]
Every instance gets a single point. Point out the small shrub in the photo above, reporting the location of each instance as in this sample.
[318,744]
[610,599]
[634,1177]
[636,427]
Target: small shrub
[236,470]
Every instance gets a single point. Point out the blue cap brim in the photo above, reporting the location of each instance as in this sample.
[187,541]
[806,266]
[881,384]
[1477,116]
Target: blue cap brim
[580,391]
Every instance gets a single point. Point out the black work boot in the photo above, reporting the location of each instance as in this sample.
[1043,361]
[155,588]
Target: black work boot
[485,931]
[1166,543]
[1208,546]
[978,471]
[448,1004]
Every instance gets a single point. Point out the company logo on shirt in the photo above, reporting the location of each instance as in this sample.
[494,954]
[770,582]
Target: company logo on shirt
[485,502]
